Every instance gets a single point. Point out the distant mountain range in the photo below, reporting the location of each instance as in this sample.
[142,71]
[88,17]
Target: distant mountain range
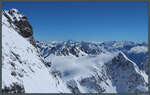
[136,51]
[30,66]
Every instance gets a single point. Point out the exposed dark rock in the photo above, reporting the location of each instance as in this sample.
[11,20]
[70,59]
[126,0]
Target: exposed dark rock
[14,88]
[56,73]
[72,85]
[13,73]
[25,28]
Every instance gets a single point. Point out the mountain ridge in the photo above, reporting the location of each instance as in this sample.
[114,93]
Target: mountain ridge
[134,50]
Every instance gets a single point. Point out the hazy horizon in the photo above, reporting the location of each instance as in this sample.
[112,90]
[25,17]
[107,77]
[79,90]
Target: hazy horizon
[91,41]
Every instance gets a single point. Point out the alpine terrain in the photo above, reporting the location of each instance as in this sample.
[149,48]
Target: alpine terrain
[30,66]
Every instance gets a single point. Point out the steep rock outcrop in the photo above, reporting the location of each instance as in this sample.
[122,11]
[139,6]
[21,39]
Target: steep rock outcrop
[20,23]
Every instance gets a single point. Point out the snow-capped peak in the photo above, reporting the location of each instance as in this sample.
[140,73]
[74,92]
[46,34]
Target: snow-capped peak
[13,18]
[14,10]
[122,56]
[14,15]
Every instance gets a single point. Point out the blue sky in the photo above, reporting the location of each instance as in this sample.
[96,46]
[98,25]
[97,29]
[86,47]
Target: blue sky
[86,21]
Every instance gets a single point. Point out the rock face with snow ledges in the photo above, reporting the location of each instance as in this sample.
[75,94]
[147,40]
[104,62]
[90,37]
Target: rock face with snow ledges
[23,69]
[20,23]
[14,17]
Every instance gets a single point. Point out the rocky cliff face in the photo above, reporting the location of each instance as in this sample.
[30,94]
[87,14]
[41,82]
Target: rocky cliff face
[20,23]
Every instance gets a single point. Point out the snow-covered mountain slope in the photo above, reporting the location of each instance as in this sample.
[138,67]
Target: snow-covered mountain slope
[96,69]
[126,75]
[23,69]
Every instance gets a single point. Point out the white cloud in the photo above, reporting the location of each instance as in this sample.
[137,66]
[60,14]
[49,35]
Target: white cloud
[71,67]
[138,49]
